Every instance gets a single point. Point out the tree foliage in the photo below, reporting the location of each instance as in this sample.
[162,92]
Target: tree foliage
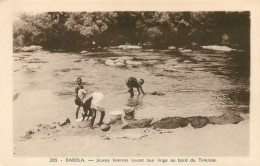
[85,30]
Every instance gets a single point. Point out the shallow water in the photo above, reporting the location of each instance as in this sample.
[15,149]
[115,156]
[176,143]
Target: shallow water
[200,83]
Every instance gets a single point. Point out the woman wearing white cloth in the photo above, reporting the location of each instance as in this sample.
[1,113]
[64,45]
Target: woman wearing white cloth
[92,102]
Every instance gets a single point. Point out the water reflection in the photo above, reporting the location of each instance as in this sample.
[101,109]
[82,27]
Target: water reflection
[136,101]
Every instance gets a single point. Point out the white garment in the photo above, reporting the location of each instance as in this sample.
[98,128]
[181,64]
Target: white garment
[82,94]
[96,102]
[97,99]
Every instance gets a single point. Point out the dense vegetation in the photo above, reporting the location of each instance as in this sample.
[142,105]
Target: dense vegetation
[84,30]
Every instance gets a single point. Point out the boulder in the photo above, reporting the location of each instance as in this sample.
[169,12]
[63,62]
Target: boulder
[171,123]
[186,51]
[84,52]
[171,48]
[105,127]
[198,121]
[110,62]
[226,118]
[31,48]
[142,123]
[119,64]
[133,47]
[126,46]
[218,48]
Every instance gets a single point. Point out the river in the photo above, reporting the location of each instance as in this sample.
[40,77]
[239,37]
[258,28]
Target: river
[198,83]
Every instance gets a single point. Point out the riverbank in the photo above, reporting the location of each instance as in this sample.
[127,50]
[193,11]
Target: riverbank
[211,140]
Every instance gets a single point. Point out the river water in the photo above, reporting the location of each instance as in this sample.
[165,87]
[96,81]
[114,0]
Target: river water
[199,83]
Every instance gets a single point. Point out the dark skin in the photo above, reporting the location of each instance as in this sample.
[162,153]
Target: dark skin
[79,86]
[86,108]
[88,111]
[139,87]
[94,112]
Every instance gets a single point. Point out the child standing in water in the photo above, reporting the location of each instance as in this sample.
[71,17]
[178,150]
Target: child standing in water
[78,102]
[132,83]
[92,102]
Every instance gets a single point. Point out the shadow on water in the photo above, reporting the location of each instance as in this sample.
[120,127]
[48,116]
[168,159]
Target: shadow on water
[135,101]
[236,68]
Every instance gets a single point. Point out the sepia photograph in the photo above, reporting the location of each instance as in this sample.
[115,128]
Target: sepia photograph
[131,83]
[129,86]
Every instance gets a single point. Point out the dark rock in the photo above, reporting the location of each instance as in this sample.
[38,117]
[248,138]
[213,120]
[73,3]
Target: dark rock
[157,93]
[105,127]
[143,123]
[198,121]
[171,123]
[30,132]
[226,118]
[66,122]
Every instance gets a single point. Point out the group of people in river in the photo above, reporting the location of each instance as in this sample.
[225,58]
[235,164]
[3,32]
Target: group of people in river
[92,103]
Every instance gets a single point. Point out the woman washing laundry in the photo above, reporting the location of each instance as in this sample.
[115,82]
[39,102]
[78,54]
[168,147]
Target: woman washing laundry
[92,103]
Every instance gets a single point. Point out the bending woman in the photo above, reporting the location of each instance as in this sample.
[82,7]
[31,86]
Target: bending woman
[92,103]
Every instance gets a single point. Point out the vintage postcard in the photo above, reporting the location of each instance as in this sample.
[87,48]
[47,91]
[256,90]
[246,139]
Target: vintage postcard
[130,83]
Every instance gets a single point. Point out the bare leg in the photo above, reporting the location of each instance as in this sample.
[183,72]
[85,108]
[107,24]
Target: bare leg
[131,90]
[85,113]
[93,117]
[77,111]
[101,117]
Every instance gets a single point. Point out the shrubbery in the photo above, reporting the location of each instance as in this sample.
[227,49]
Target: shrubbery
[85,31]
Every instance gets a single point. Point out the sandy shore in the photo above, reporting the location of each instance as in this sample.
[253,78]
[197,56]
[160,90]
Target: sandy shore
[211,140]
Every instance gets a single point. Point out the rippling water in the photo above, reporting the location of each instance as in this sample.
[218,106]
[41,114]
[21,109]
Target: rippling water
[201,83]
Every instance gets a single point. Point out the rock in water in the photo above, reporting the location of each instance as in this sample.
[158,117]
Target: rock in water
[225,119]
[110,62]
[142,123]
[198,121]
[105,127]
[157,93]
[171,123]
